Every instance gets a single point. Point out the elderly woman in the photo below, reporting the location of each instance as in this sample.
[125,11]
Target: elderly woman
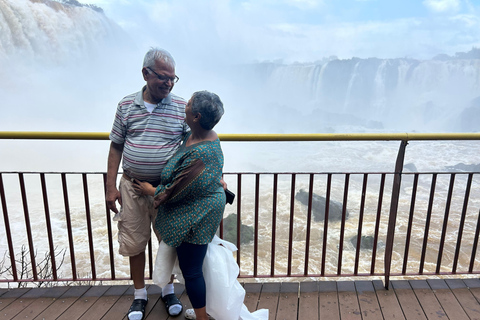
[191,198]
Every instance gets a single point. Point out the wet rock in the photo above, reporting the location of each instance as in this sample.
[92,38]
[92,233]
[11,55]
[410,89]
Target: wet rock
[230,230]
[410,167]
[462,167]
[318,207]
[366,242]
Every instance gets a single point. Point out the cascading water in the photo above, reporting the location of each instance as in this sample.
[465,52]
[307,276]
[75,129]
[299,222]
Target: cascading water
[64,67]
[385,94]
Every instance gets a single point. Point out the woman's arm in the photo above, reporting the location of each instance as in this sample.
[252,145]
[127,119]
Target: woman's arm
[183,181]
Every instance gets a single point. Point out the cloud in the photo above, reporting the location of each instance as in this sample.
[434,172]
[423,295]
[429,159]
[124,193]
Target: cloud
[441,6]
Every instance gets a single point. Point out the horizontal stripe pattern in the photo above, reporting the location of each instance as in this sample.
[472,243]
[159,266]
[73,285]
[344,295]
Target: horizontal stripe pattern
[149,139]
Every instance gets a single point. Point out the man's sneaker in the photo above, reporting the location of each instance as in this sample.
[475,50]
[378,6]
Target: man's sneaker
[137,309]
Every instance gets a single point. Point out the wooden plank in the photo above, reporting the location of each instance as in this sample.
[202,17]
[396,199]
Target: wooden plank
[308,302]
[81,305]
[447,299]
[430,305]
[11,295]
[328,301]
[387,299]
[252,295]
[367,299]
[288,301]
[22,302]
[348,301]
[104,303]
[120,308]
[269,298]
[466,299]
[408,301]
[474,287]
[63,303]
[38,305]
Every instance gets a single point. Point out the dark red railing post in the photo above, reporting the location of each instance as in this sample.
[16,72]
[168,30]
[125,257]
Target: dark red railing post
[377,222]
[89,225]
[290,225]
[397,179]
[325,223]
[309,224]
[475,244]
[7,230]
[49,225]
[427,223]
[239,215]
[410,223]
[274,223]
[69,225]
[445,223]
[255,244]
[28,226]
[360,223]
[342,226]
[462,222]
[109,231]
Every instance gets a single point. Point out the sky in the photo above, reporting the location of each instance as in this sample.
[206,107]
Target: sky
[301,30]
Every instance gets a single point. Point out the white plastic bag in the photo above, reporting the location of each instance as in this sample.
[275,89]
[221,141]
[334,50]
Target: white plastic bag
[225,295]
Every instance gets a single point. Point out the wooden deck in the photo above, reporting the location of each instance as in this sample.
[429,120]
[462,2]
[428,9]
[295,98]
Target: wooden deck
[455,299]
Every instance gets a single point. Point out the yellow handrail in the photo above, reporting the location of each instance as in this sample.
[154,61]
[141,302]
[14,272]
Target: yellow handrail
[43,135]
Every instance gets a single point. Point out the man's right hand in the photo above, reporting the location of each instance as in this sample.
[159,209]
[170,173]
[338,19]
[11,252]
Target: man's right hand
[111,197]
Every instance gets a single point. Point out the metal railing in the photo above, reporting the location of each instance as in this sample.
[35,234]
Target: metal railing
[287,224]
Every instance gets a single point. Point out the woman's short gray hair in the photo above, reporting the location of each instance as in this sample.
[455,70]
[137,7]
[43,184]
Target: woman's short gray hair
[157,54]
[210,106]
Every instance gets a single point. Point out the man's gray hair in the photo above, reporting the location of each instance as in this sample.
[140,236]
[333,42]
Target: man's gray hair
[155,54]
[210,106]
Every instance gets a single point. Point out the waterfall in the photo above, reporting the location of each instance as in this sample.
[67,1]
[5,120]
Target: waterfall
[50,32]
[385,94]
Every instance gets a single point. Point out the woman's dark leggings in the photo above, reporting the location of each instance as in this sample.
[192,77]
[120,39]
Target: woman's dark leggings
[190,259]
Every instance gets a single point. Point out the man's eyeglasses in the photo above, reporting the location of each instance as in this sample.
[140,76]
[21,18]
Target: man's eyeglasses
[163,78]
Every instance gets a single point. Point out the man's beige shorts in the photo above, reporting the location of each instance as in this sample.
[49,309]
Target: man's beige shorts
[137,215]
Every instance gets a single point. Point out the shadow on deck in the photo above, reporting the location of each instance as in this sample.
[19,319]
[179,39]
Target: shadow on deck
[407,299]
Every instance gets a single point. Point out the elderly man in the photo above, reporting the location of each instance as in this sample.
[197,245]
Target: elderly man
[148,128]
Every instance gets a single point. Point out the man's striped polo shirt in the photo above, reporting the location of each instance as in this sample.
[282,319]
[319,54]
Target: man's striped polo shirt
[149,139]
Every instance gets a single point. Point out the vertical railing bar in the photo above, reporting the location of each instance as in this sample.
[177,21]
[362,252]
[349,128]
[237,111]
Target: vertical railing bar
[427,223]
[28,226]
[377,222]
[392,219]
[309,224]
[150,259]
[410,223]
[7,230]
[239,216]
[89,225]
[274,223]
[220,230]
[342,226]
[49,226]
[255,246]
[69,226]
[475,243]
[325,222]
[290,231]
[445,222]
[360,223]
[462,222]
[109,231]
